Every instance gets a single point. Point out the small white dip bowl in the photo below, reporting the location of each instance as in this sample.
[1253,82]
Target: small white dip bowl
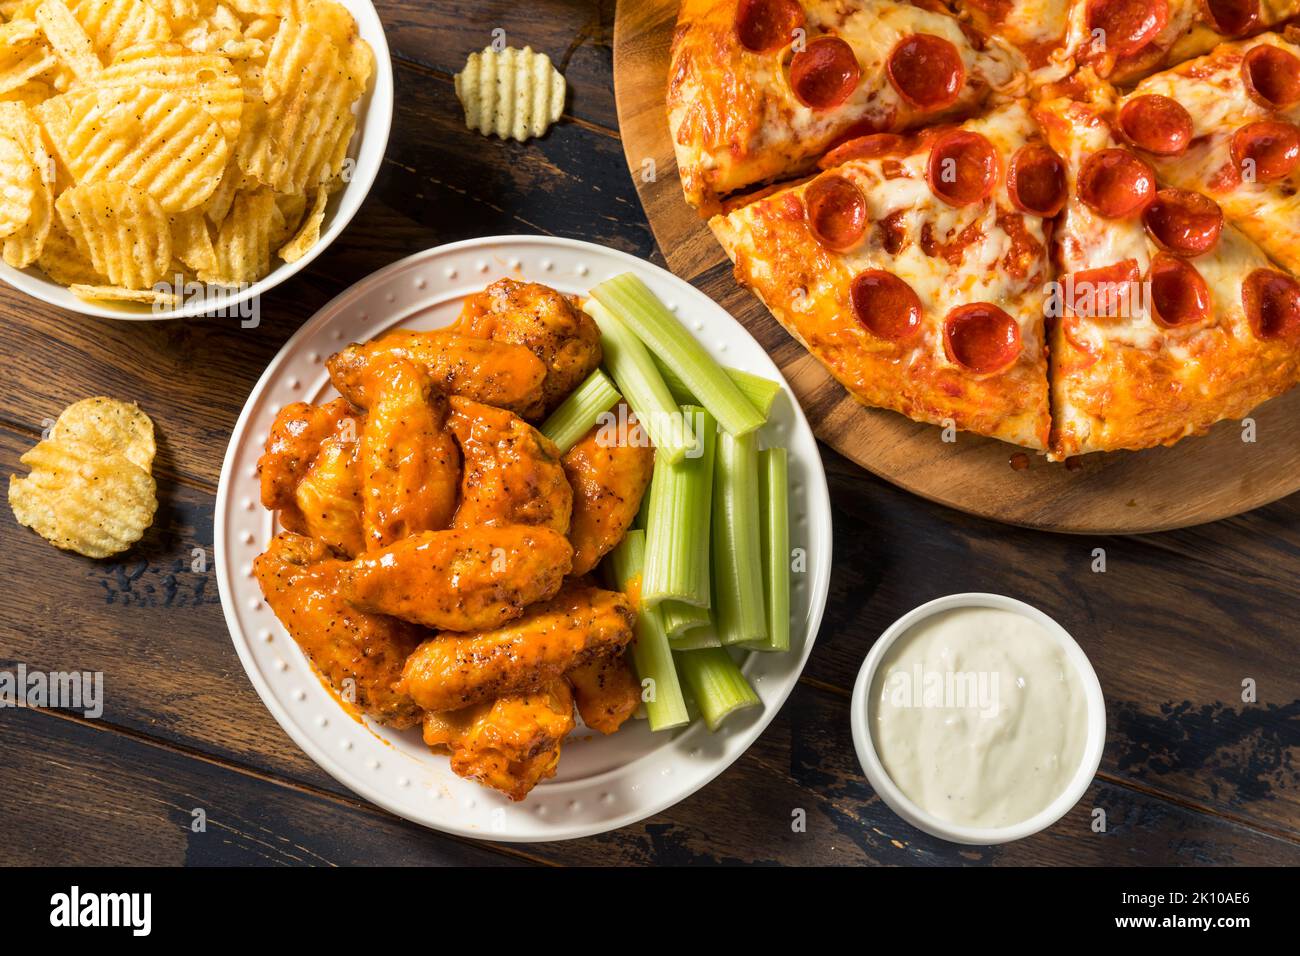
[900,803]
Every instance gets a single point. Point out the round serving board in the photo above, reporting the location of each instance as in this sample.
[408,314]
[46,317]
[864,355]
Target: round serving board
[1200,479]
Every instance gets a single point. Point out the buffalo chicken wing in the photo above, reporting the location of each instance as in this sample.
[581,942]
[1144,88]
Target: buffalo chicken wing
[545,321]
[360,654]
[606,691]
[510,744]
[410,465]
[451,671]
[608,474]
[502,374]
[512,471]
[463,579]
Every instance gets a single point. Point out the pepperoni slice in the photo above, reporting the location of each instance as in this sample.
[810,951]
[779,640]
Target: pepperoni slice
[1157,124]
[981,338]
[1114,183]
[1184,222]
[1266,151]
[1231,17]
[1127,25]
[1036,180]
[1101,292]
[864,147]
[1272,76]
[836,211]
[885,305]
[825,73]
[764,25]
[926,70]
[1272,303]
[963,167]
[1179,295]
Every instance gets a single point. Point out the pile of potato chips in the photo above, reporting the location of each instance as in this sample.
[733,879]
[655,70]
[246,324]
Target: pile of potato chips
[145,140]
[90,489]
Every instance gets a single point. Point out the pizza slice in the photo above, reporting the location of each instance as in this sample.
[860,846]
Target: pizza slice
[914,268]
[1226,125]
[1120,40]
[1165,319]
[758,89]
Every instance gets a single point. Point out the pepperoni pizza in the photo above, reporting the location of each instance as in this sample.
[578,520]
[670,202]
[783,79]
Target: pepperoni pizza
[1001,217]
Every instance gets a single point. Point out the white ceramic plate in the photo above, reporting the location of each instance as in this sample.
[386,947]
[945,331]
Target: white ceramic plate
[603,782]
[374,119]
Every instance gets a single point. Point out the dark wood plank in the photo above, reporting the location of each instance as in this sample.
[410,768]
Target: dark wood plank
[111,800]
[114,798]
[154,626]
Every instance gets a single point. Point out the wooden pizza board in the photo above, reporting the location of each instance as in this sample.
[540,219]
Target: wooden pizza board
[1200,479]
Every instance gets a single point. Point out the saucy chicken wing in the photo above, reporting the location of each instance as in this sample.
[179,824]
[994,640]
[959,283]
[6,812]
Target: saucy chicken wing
[465,579]
[359,654]
[512,471]
[548,323]
[496,373]
[510,744]
[608,478]
[451,671]
[410,465]
[310,473]
[606,691]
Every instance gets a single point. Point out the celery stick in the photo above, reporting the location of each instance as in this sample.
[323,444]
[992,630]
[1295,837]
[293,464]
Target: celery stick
[774,501]
[652,657]
[579,413]
[716,683]
[634,372]
[761,391]
[679,617]
[677,523]
[694,639]
[738,609]
[627,297]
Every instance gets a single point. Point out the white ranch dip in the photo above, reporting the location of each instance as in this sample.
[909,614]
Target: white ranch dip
[978,716]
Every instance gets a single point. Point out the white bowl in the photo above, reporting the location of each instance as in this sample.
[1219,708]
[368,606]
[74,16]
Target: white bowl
[375,118]
[903,805]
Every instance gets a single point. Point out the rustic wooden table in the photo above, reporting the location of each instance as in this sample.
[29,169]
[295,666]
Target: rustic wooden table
[1175,624]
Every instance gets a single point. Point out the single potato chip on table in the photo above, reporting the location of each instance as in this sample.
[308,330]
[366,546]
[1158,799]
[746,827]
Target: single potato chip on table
[90,489]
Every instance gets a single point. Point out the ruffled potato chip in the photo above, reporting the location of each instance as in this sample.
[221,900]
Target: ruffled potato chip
[19,181]
[114,25]
[206,80]
[309,232]
[112,293]
[63,262]
[516,94]
[69,39]
[121,229]
[23,55]
[89,488]
[243,246]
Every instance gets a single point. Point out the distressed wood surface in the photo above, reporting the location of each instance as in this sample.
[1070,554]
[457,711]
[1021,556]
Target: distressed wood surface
[1174,624]
[1211,477]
